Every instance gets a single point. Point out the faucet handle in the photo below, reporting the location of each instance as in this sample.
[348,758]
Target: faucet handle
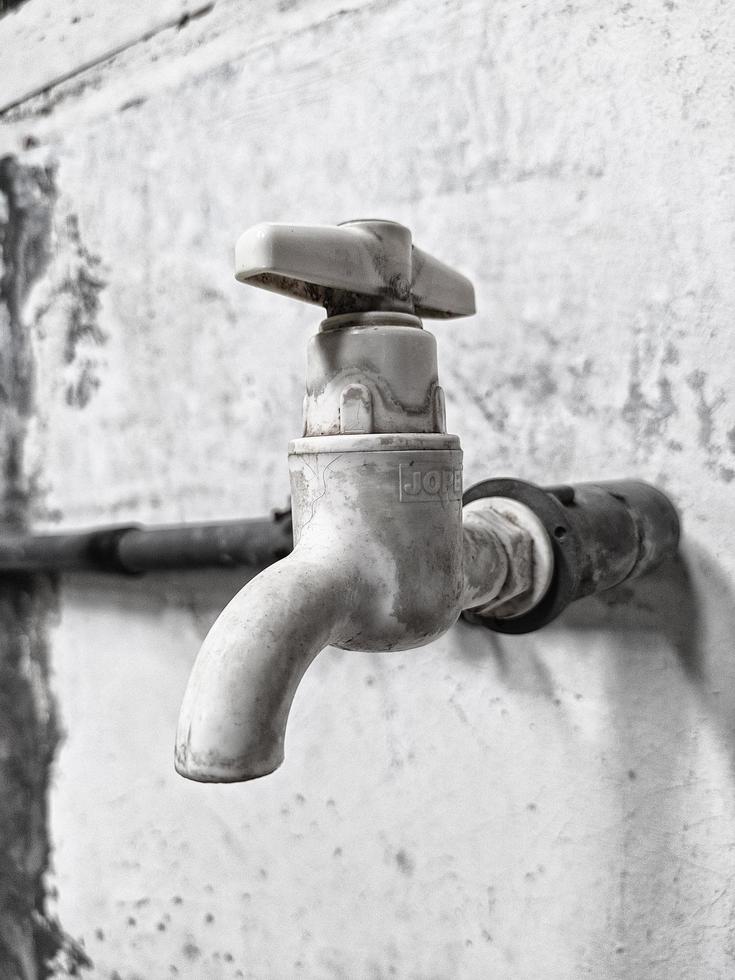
[355,267]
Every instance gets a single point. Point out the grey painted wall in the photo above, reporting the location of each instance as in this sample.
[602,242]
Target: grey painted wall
[559,805]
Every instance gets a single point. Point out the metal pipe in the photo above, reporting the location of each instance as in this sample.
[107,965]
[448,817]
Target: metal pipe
[602,534]
[131,549]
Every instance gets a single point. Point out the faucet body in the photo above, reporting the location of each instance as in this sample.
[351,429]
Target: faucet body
[378,562]
[393,549]
[384,557]
[371,570]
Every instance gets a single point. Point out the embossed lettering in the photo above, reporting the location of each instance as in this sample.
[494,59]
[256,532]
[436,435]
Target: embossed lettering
[417,484]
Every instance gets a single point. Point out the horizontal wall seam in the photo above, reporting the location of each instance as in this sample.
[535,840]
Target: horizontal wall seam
[179,21]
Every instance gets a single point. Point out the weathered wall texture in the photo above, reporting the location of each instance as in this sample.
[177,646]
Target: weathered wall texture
[29,938]
[560,805]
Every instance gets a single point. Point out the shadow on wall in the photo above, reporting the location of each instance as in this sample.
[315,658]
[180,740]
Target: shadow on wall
[657,655]
[6,5]
[670,702]
[203,593]
[683,614]
[688,607]
[652,662]
[664,602]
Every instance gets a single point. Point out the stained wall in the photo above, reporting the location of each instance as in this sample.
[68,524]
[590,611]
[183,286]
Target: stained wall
[557,805]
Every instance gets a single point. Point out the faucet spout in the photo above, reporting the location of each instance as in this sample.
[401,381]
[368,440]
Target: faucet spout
[377,565]
[233,718]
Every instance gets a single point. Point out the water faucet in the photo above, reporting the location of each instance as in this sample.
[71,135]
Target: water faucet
[386,557]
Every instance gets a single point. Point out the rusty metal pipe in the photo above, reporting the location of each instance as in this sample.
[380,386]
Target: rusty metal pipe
[602,534]
[131,549]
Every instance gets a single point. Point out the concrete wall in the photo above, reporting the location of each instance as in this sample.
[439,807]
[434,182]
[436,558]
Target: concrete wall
[559,805]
